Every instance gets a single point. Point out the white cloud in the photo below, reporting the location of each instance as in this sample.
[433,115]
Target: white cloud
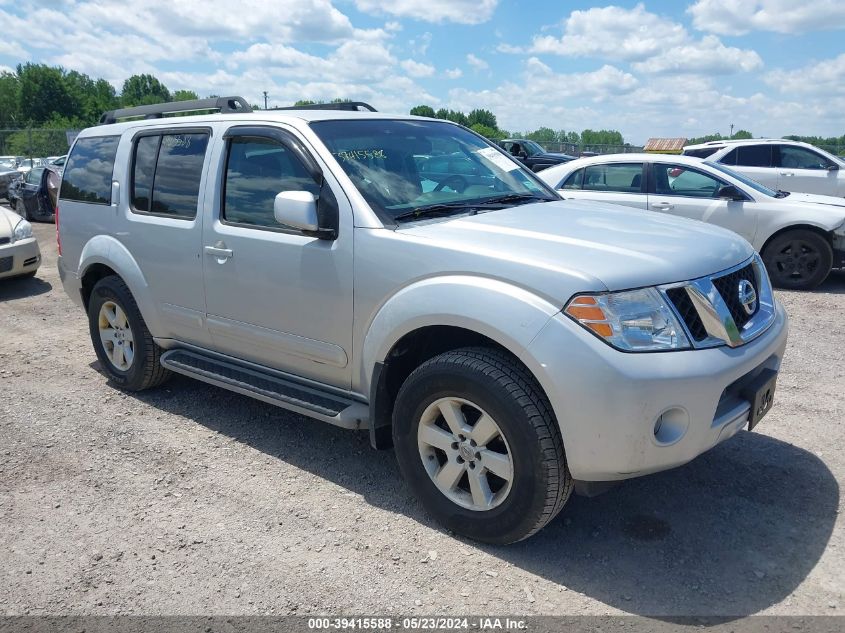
[461,11]
[824,77]
[729,17]
[477,62]
[708,56]
[417,69]
[651,43]
[613,33]
[454,73]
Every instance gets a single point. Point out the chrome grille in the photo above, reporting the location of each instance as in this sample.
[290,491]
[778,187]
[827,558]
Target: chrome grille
[727,286]
[711,310]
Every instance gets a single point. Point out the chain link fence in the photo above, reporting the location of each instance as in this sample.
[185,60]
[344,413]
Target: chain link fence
[577,149]
[35,142]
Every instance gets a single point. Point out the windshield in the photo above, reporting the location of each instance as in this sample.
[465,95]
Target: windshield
[406,168]
[532,148]
[744,180]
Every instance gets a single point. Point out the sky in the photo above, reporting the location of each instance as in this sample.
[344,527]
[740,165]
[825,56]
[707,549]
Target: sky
[650,68]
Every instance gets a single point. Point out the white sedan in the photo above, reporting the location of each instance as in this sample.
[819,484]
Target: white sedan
[19,252]
[800,236]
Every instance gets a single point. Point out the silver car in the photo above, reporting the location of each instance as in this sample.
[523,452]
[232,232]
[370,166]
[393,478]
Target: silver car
[19,252]
[509,345]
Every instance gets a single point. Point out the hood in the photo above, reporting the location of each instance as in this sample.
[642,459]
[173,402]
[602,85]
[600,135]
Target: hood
[616,246]
[8,221]
[815,199]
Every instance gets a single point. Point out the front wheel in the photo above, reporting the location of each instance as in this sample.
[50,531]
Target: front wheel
[476,440]
[124,345]
[798,260]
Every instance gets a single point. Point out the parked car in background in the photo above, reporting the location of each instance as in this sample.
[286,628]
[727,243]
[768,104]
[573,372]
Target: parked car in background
[778,164]
[8,174]
[511,346]
[58,161]
[30,196]
[25,164]
[19,252]
[800,236]
[532,154]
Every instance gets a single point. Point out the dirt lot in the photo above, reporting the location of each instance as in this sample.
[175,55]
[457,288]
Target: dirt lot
[192,500]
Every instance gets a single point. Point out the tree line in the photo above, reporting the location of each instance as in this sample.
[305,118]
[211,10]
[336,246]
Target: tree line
[484,122]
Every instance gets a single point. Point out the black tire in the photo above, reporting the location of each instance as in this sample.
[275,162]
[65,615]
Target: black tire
[506,390]
[145,370]
[799,259]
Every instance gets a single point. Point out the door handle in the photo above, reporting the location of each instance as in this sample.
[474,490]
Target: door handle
[662,206]
[786,173]
[218,252]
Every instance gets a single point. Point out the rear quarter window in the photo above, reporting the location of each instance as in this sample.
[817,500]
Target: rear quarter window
[89,170]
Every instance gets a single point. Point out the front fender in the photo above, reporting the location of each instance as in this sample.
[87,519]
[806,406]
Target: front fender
[509,315]
[106,250]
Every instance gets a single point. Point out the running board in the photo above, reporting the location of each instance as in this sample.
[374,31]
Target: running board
[268,387]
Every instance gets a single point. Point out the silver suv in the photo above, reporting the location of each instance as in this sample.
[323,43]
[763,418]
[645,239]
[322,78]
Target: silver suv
[511,346]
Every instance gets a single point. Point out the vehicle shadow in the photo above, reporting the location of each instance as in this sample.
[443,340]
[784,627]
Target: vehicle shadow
[834,284]
[730,534]
[21,287]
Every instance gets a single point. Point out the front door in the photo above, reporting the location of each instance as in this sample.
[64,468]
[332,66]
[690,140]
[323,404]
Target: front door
[690,193]
[275,296]
[801,169]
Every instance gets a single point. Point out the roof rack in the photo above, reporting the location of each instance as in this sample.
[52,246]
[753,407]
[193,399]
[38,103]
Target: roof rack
[353,106]
[228,105]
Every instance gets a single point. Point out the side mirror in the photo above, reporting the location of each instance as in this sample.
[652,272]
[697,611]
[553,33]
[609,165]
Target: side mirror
[297,209]
[729,192]
[523,154]
[833,167]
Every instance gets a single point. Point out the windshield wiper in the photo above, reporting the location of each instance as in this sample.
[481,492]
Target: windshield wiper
[434,211]
[511,197]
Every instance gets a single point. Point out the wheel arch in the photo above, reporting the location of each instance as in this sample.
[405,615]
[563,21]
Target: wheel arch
[820,229]
[104,255]
[438,315]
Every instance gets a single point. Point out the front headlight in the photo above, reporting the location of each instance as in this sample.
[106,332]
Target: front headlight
[633,320]
[23,230]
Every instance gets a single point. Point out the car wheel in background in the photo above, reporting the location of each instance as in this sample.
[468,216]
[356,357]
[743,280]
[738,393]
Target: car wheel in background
[124,345]
[799,259]
[478,443]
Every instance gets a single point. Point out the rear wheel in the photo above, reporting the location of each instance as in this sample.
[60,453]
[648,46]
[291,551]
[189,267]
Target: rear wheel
[798,259]
[123,344]
[477,442]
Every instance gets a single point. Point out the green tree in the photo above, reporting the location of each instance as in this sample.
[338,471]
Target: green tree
[43,93]
[305,102]
[543,135]
[184,95]
[742,134]
[492,133]
[452,115]
[602,137]
[9,98]
[423,110]
[143,90]
[483,117]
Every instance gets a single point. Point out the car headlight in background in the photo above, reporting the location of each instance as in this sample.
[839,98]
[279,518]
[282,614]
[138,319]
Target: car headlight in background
[23,230]
[633,320]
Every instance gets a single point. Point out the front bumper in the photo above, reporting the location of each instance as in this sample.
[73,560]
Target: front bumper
[608,402]
[19,258]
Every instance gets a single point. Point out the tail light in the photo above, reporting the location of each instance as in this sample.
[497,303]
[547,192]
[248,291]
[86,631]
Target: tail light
[58,237]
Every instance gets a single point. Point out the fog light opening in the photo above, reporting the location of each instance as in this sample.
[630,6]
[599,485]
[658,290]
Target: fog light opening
[670,426]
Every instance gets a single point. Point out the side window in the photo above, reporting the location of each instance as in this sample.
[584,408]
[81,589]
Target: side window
[89,170]
[680,180]
[33,177]
[621,177]
[750,156]
[573,181]
[256,170]
[801,158]
[166,173]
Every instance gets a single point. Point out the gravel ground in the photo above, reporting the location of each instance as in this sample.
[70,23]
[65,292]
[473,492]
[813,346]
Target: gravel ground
[192,500]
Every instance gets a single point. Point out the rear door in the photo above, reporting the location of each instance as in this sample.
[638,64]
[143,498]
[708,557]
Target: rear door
[613,183]
[29,191]
[691,193]
[801,169]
